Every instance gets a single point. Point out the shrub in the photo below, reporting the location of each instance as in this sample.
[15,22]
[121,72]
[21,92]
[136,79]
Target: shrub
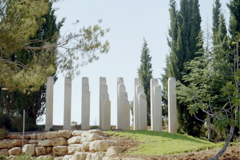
[3,157]
[5,121]
[3,134]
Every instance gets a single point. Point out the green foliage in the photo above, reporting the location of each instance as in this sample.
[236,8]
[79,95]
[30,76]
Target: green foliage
[3,157]
[32,74]
[234,25]
[184,42]
[145,74]
[3,133]
[160,143]
[5,121]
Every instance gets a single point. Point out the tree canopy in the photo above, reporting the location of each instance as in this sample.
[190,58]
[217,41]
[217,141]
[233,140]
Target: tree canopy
[19,22]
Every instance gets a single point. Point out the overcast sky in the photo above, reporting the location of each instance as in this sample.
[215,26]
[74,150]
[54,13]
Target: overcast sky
[129,21]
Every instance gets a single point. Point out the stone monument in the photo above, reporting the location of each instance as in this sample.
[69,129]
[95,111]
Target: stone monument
[137,82]
[85,104]
[49,104]
[67,103]
[121,89]
[156,105]
[104,106]
[172,105]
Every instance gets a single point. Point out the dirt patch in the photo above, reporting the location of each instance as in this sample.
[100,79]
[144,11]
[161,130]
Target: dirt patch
[232,152]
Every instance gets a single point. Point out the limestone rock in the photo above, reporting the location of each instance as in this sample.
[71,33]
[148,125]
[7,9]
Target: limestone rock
[60,150]
[58,158]
[51,135]
[65,133]
[35,141]
[67,157]
[94,136]
[74,140]
[59,141]
[95,156]
[49,150]
[80,155]
[85,134]
[41,136]
[16,151]
[100,145]
[77,133]
[45,143]
[29,149]
[18,143]
[4,152]
[13,136]
[25,137]
[6,144]
[45,157]
[114,150]
[33,136]
[83,139]
[72,148]
[104,134]
[43,150]
[85,146]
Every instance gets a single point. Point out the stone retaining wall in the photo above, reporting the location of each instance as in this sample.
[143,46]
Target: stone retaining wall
[61,145]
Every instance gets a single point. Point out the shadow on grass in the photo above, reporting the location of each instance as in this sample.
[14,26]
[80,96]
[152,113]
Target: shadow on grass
[167,135]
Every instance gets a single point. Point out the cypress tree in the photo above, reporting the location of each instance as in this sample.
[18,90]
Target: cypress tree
[145,74]
[216,19]
[234,25]
[184,41]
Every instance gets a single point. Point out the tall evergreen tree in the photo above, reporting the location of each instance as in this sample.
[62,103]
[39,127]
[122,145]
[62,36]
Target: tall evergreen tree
[234,25]
[34,102]
[145,74]
[184,41]
[216,19]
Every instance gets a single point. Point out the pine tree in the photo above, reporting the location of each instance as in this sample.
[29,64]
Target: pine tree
[145,74]
[33,102]
[19,23]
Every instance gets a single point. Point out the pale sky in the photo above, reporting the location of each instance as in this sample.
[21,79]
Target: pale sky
[129,21]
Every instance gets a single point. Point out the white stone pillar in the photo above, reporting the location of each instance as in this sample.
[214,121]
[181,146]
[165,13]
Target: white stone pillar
[142,100]
[106,115]
[49,104]
[102,90]
[139,89]
[125,112]
[172,105]
[67,103]
[137,82]
[120,89]
[104,106]
[157,114]
[153,83]
[85,104]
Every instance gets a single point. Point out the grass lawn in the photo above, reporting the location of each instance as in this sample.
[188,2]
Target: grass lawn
[160,143]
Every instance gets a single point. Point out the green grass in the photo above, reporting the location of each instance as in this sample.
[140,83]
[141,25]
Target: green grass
[160,143]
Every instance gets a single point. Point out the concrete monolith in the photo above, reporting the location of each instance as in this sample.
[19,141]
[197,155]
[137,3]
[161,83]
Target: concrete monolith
[120,89]
[67,103]
[142,111]
[85,104]
[49,104]
[137,82]
[172,105]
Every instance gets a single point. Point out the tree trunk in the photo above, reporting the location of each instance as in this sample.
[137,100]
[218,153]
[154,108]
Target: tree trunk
[225,145]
